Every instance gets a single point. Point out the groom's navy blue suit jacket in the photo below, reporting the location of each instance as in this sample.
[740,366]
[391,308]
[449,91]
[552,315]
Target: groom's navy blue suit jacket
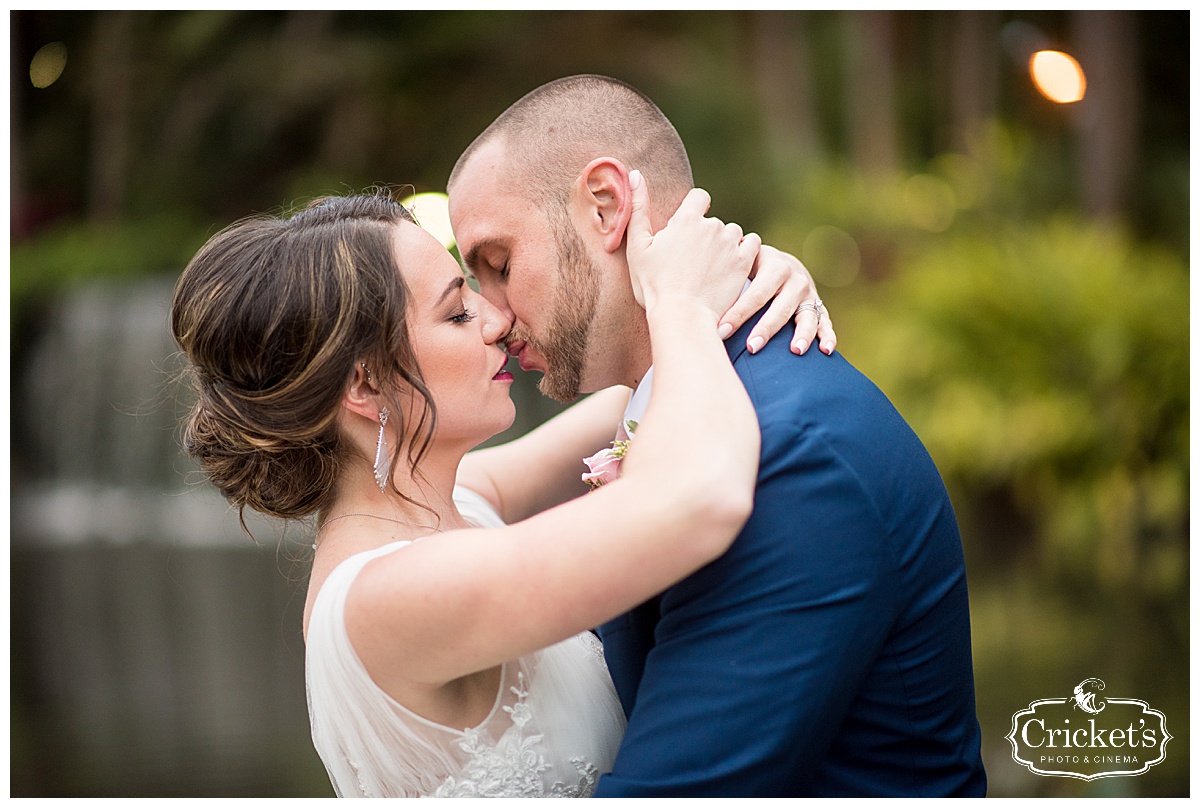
[828,652]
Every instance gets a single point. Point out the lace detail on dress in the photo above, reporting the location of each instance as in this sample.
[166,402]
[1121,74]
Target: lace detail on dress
[362,782]
[514,766]
[594,646]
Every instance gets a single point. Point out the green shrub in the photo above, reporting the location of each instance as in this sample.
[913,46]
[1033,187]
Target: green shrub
[74,252]
[1047,365]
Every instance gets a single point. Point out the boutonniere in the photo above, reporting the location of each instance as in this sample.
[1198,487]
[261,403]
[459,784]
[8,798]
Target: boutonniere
[605,465]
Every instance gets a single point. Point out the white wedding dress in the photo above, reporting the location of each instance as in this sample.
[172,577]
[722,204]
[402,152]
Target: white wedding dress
[554,728]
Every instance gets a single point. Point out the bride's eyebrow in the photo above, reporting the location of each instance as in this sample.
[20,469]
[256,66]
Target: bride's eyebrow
[453,286]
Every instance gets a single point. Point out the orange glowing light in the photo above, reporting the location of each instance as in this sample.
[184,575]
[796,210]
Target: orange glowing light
[1057,76]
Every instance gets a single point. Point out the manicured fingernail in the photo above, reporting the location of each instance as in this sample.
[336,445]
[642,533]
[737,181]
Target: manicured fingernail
[635,178]
[826,349]
[725,330]
[755,344]
[800,348]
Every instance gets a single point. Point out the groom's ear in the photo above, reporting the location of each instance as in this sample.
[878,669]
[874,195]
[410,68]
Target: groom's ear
[606,202]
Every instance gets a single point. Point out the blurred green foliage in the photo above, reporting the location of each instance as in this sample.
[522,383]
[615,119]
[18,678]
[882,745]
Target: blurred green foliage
[1043,359]
[1051,360]
[72,251]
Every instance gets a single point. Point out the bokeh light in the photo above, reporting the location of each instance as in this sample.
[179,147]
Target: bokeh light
[1057,76]
[48,64]
[432,211]
[831,255]
[965,177]
[930,202]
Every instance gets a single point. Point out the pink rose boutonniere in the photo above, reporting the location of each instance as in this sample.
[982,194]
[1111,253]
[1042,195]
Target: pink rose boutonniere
[605,465]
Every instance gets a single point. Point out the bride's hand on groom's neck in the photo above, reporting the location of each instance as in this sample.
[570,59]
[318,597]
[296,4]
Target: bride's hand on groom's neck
[781,283]
[695,259]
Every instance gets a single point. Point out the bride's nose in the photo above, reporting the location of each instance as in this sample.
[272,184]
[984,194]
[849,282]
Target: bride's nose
[496,323]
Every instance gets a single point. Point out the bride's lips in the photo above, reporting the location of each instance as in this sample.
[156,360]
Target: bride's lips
[503,375]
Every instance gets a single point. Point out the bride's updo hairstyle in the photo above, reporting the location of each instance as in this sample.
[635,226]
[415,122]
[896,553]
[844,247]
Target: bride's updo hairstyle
[272,314]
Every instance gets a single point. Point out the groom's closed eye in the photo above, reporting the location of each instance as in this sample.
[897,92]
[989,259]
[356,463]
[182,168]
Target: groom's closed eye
[497,271]
[474,261]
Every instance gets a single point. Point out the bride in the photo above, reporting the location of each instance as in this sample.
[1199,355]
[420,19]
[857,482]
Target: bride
[343,368]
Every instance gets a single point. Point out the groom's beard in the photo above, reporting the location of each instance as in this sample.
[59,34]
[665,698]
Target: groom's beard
[574,309]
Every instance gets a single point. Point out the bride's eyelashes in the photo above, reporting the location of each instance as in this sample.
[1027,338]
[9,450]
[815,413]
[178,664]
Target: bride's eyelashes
[465,316]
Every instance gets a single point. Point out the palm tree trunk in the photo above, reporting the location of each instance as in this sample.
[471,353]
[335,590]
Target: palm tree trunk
[870,91]
[783,76]
[1108,117]
[111,88]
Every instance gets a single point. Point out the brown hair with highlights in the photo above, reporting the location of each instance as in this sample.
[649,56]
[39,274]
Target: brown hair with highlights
[272,314]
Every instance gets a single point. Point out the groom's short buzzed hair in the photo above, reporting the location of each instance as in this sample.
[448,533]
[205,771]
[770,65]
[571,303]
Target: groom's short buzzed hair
[557,129]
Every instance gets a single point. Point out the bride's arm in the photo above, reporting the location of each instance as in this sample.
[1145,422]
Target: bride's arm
[544,467]
[465,601]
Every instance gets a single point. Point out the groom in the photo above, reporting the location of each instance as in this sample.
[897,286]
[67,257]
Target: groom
[828,653]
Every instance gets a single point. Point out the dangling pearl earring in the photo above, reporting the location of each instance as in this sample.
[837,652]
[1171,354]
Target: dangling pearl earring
[383,460]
